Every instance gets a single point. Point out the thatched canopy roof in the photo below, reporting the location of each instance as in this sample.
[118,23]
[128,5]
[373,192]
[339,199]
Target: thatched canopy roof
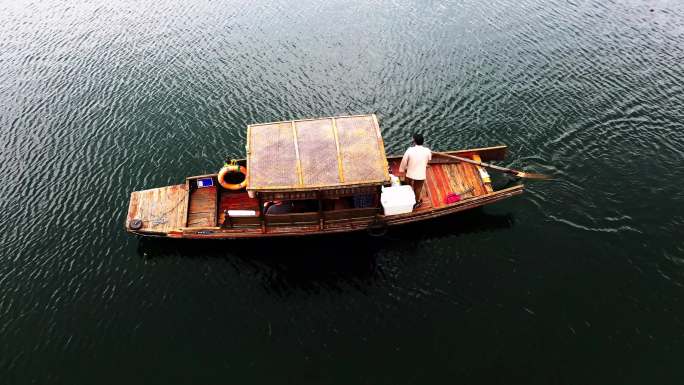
[316,154]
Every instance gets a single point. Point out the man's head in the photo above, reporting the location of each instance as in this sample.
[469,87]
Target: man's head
[418,139]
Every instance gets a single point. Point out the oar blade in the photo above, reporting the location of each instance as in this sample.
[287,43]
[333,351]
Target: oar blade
[532,175]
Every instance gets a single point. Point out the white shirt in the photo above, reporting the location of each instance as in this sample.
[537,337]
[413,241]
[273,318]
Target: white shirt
[415,162]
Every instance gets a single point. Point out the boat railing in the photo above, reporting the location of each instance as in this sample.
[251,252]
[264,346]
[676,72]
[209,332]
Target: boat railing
[231,222]
[350,214]
[292,219]
[313,218]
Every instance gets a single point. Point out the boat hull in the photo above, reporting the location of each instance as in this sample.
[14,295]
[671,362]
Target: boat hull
[182,211]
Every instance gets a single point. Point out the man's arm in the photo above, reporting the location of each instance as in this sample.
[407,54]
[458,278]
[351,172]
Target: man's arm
[404,163]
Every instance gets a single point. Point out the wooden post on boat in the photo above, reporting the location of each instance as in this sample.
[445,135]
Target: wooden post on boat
[260,210]
[227,222]
[217,207]
[320,210]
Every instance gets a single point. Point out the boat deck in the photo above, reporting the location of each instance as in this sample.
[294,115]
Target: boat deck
[202,209]
[186,211]
[235,200]
[161,209]
[444,178]
[204,212]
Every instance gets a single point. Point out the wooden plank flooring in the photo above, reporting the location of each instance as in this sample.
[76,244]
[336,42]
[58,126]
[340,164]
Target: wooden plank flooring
[202,208]
[161,209]
[443,178]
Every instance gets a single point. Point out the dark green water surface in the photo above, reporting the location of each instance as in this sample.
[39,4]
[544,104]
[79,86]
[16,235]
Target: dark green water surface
[578,281]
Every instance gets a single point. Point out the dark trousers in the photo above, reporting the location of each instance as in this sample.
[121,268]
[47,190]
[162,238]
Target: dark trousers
[417,186]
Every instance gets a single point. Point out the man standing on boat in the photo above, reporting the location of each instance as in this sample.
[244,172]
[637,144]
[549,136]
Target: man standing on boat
[414,164]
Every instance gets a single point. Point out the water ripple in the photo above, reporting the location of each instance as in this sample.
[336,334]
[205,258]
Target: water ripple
[99,99]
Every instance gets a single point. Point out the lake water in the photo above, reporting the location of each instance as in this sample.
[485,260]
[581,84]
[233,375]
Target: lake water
[578,281]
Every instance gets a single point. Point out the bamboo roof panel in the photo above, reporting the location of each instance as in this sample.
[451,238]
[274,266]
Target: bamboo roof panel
[276,160]
[316,154]
[361,149]
[316,141]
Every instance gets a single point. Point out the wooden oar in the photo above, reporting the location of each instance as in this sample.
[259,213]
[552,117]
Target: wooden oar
[519,174]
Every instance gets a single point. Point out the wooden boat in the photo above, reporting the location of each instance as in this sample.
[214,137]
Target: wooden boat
[329,172]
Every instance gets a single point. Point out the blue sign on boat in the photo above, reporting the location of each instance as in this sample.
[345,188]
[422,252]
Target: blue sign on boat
[205,182]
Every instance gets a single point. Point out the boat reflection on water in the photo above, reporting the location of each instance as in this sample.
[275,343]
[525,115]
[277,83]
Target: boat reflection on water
[326,261]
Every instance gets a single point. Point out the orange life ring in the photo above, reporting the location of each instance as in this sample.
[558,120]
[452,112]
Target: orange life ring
[228,169]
